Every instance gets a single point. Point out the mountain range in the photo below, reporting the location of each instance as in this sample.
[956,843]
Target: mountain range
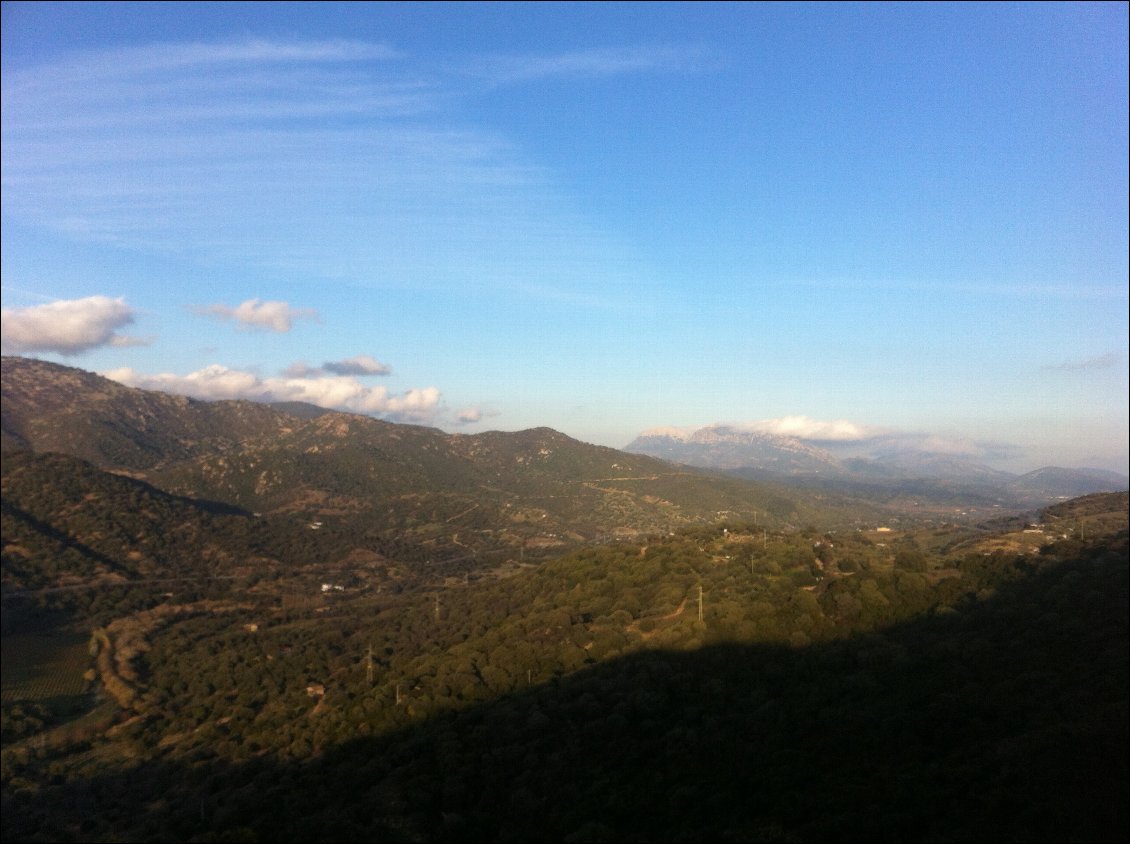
[886,466]
[417,493]
[369,486]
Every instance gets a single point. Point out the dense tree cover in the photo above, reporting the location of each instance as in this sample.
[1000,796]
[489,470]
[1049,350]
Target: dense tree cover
[976,723]
[65,520]
[834,688]
[68,523]
[99,545]
[21,719]
[445,649]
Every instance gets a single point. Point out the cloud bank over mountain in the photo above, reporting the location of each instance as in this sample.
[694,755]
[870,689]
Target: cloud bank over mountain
[337,392]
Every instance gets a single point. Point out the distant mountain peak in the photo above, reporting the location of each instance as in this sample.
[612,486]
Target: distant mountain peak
[875,462]
[670,431]
[722,446]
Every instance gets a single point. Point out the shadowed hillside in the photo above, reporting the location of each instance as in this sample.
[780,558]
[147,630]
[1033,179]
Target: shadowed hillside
[1005,720]
[67,522]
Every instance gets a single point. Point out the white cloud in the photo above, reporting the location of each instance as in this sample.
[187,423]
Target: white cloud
[68,326]
[257,314]
[877,441]
[468,415]
[416,403]
[471,415]
[360,365]
[805,428]
[339,392]
[257,51]
[300,369]
[800,427]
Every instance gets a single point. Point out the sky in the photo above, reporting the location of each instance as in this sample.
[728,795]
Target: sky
[908,220]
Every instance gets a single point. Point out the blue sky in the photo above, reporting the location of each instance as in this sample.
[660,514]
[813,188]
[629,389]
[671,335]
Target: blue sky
[597,217]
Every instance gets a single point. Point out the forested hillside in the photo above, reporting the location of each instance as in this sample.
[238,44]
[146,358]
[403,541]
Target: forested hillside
[341,628]
[588,701]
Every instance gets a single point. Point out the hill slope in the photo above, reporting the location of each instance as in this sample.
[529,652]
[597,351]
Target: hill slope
[555,707]
[48,407]
[67,523]
[408,491]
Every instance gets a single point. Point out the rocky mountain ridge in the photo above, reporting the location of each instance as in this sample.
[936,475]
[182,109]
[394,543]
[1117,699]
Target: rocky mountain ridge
[765,456]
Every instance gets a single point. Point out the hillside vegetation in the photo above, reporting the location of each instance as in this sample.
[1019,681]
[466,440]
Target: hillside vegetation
[335,628]
[460,502]
[888,704]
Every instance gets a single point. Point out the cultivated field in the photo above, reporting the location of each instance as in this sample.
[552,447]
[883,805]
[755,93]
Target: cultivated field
[43,667]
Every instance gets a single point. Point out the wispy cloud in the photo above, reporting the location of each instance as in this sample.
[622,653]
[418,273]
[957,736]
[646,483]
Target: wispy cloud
[68,327]
[899,443]
[308,160]
[979,288]
[1109,360]
[165,72]
[594,63]
[278,317]
[418,404]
